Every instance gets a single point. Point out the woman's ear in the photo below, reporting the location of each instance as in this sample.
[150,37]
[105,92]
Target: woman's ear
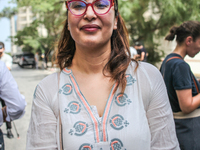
[188,40]
[115,24]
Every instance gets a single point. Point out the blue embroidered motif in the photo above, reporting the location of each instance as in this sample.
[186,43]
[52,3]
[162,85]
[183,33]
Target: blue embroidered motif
[116,144]
[67,89]
[130,80]
[117,122]
[126,123]
[122,99]
[74,107]
[34,94]
[80,128]
[86,146]
[60,91]
[66,110]
[71,132]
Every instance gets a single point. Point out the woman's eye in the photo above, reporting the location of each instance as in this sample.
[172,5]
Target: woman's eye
[101,5]
[77,5]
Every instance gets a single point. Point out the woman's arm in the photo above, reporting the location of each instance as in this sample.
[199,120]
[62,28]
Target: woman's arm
[182,83]
[186,101]
[158,110]
[43,123]
[142,56]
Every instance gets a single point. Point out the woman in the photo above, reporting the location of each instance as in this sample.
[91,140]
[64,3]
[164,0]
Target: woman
[182,86]
[101,102]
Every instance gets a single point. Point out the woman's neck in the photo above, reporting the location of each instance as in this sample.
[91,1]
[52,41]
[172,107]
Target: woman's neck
[90,61]
[181,50]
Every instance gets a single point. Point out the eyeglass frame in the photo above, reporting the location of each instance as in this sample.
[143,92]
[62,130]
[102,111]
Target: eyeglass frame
[89,4]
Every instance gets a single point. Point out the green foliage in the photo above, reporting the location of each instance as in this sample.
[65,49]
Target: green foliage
[8,12]
[149,20]
[146,20]
[48,14]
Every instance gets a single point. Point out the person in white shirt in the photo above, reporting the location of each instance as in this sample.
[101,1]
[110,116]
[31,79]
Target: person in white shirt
[101,100]
[15,102]
[133,51]
[7,59]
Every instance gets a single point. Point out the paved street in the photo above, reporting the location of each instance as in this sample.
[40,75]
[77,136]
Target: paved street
[27,79]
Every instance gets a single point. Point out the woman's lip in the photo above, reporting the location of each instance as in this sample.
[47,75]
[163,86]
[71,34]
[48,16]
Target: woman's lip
[90,28]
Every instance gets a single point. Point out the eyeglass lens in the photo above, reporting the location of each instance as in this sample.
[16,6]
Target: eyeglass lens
[99,6]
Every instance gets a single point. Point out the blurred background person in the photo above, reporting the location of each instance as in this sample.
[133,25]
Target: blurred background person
[182,86]
[7,59]
[9,93]
[36,60]
[133,51]
[141,52]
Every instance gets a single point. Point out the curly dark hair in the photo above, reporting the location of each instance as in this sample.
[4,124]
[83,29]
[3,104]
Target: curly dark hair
[119,57]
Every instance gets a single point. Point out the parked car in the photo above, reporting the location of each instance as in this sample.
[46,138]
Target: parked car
[24,59]
[16,58]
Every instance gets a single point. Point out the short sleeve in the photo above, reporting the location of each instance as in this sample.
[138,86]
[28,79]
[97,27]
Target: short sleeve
[182,77]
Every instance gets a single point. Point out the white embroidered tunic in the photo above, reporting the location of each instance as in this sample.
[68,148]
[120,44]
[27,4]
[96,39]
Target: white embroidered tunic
[139,119]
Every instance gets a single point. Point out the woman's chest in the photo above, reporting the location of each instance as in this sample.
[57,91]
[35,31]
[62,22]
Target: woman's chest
[123,123]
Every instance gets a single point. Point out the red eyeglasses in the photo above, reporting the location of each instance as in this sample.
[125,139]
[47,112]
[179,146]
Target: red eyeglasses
[78,7]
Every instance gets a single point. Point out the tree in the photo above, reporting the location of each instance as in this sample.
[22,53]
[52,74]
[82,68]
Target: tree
[149,20]
[8,12]
[48,14]
[146,20]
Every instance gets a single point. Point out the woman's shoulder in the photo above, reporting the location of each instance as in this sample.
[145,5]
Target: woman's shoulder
[46,92]
[144,68]
[174,58]
[49,80]
[49,84]
[146,73]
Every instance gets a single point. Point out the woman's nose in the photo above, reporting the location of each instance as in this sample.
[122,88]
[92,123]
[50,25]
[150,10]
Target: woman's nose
[89,14]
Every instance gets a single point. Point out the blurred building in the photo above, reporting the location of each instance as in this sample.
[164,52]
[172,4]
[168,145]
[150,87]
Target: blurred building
[23,19]
[13,29]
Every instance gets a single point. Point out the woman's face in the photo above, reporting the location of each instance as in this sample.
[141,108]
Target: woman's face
[92,30]
[195,48]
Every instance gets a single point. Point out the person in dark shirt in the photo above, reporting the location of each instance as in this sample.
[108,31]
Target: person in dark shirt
[141,52]
[182,86]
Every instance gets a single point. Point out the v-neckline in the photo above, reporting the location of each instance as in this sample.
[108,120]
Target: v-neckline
[88,108]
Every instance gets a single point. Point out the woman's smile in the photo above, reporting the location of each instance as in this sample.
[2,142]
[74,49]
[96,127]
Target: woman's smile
[90,28]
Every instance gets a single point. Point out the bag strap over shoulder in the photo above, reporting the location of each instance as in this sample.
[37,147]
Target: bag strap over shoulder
[175,57]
